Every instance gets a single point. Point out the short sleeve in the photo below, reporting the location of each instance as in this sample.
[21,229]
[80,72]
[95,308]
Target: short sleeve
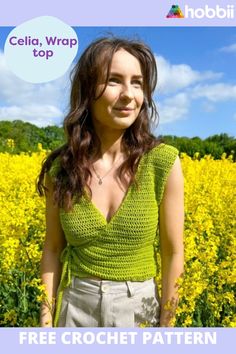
[164,157]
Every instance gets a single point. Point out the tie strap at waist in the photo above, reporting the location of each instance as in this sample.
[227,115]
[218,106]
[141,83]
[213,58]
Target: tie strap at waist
[66,259]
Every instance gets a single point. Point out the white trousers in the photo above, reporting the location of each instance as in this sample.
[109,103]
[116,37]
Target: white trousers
[104,303]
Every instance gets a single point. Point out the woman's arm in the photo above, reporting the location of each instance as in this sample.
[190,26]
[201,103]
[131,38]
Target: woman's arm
[50,262]
[171,241]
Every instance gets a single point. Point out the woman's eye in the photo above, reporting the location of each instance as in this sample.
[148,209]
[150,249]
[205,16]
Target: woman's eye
[138,83]
[113,80]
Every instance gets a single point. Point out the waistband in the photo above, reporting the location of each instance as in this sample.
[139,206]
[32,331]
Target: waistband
[109,286]
[67,258]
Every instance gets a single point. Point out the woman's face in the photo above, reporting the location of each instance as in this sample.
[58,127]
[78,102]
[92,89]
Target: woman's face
[120,103]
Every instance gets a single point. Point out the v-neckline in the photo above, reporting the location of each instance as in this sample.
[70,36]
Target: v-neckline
[102,216]
[122,204]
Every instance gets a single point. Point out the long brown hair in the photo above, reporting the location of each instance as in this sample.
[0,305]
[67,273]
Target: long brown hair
[83,145]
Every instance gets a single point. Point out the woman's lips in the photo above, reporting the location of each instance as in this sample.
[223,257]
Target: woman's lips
[124,109]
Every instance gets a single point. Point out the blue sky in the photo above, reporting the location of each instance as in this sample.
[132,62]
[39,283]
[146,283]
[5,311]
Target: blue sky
[196,91]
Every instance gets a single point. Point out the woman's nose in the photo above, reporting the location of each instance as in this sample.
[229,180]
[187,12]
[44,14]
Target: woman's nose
[127,92]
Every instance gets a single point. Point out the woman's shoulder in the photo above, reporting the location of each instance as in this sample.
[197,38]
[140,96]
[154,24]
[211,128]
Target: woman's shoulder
[163,154]
[161,160]
[54,168]
[53,163]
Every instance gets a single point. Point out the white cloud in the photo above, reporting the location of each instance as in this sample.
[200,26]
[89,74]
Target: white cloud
[215,93]
[178,85]
[208,107]
[174,108]
[39,104]
[40,115]
[177,107]
[175,77]
[229,49]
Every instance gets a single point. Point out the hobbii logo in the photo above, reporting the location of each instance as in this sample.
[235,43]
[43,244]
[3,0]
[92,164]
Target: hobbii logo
[209,12]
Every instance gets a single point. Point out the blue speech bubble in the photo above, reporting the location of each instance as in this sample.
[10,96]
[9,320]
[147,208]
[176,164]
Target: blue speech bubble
[41,50]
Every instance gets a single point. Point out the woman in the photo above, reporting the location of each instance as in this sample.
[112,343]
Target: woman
[111,190]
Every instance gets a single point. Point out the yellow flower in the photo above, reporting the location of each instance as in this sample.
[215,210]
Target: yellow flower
[209,238]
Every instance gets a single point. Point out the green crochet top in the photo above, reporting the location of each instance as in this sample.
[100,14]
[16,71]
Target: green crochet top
[123,248]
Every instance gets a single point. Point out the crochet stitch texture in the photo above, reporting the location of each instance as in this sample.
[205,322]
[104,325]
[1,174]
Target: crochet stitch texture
[123,248]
